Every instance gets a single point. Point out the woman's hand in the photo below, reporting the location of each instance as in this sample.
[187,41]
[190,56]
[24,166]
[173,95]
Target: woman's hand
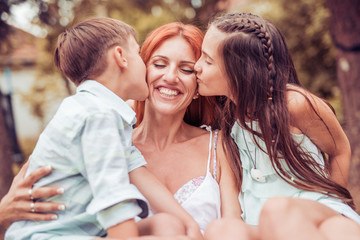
[18,203]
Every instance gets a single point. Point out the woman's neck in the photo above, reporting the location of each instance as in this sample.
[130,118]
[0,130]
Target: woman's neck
[159,130]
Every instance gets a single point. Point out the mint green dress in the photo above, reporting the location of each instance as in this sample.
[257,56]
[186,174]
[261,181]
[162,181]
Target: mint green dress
[254,193]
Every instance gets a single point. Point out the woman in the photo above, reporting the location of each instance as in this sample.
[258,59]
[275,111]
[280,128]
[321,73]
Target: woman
[184,157]
[280,131]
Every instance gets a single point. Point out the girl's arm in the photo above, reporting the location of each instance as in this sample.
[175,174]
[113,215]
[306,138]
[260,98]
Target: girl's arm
[229,192]
[328,135]
[161,200]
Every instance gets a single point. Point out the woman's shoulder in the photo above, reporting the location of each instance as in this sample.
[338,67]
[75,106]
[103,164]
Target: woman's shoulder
[199,136]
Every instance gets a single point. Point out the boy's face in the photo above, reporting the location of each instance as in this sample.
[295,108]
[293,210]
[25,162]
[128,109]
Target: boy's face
[137,87]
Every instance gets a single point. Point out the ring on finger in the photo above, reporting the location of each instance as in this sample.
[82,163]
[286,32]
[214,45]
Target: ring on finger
[32,207]
[30,194]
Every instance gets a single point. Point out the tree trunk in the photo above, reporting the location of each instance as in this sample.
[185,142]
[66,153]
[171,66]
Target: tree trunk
[6,174]
[345,30]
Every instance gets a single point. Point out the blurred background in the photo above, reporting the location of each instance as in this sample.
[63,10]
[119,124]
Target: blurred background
[323,37]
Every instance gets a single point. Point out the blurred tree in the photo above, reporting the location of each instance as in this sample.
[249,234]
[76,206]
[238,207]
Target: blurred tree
[45,17]
[6,174]
[345,29]
[6,151]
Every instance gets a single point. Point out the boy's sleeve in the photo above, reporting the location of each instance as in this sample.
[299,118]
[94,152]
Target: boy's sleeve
[135,158]
[105,148]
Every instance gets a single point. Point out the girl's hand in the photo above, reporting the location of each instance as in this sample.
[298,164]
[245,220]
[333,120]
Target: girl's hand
[18,203]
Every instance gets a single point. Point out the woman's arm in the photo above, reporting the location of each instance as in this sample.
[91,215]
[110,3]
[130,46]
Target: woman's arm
[229,192]
[161,200]
[328,135]
[15,205]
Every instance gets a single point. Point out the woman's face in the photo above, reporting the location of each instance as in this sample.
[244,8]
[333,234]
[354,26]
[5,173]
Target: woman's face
[209,68]
[171,77]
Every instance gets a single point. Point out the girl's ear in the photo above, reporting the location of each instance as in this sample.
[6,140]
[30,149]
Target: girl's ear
[119,57]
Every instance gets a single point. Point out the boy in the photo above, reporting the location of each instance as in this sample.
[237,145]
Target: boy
[88,142]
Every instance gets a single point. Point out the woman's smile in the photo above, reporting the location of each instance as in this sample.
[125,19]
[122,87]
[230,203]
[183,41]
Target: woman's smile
[168,92]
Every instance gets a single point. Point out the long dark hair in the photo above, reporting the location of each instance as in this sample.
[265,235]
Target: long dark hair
[259,67]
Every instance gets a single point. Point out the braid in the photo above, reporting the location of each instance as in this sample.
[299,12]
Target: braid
[253,25]
[264,37]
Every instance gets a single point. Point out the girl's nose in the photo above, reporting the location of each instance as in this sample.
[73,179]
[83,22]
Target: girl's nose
[197,67]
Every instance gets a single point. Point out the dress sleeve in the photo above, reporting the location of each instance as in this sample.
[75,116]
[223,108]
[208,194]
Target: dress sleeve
[106,146]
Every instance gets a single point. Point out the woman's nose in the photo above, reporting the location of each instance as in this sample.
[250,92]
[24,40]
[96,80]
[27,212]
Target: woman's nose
[171,75]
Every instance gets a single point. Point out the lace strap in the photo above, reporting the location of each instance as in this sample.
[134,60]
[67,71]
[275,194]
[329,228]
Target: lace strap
[208,128]
[215,146]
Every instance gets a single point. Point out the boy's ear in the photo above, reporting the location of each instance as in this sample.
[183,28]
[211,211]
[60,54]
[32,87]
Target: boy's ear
[119,57]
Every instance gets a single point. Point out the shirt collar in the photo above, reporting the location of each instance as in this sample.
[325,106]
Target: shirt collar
[110,97]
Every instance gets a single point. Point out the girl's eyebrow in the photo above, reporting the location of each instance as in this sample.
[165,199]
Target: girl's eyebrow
[207,55]
[164,57]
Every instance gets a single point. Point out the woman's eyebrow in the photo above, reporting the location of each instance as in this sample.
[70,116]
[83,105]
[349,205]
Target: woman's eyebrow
[159,56]
[164,57]
[189,62]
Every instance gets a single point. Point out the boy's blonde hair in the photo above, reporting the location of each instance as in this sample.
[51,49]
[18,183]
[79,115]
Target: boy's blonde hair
[80,51]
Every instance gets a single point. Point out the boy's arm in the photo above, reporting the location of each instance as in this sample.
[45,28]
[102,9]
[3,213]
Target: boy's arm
[161,200]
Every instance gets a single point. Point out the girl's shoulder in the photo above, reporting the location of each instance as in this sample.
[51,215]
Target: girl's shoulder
[305,108]
[300,101]
[296,95]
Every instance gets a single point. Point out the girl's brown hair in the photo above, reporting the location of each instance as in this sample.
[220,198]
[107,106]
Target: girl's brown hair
[259,67]
[201,110]
[80,51]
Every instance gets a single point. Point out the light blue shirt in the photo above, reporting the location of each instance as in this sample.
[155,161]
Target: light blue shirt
[88,143]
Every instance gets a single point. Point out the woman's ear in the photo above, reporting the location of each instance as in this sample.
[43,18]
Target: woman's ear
[119,57]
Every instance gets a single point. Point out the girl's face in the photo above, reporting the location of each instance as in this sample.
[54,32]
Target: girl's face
[209,68]
[171,76]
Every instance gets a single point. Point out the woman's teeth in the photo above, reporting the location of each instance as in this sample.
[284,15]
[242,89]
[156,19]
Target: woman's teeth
[168,92]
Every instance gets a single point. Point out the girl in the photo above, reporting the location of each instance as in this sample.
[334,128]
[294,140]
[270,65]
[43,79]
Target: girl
[281,132]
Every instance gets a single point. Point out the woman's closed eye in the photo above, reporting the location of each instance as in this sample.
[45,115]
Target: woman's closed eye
[187,70]
[159,65]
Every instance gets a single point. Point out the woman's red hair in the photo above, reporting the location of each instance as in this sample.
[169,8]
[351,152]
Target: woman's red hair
[200,111]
